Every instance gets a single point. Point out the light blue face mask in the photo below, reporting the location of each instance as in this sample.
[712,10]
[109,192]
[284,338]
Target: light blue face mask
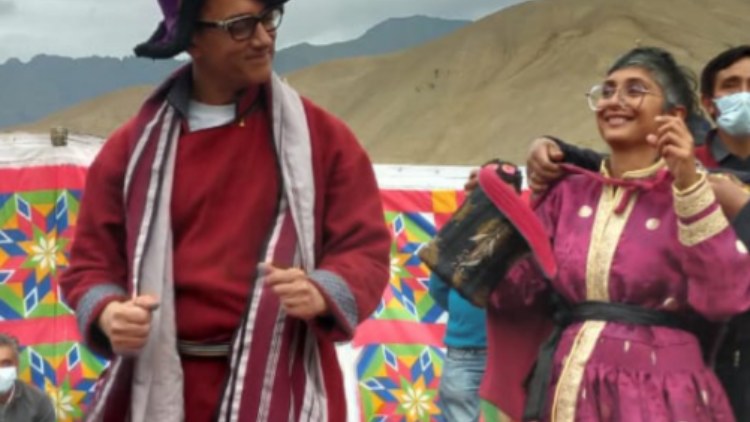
[8,377]
[734,113]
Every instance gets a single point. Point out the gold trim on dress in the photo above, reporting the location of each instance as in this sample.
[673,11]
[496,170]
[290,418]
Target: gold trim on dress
[605,236]
[645,172]
[693,200]
[703,229]
[566,394]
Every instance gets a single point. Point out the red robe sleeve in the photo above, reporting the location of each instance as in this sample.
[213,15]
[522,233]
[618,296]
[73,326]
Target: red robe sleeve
[98,267]
[353,242]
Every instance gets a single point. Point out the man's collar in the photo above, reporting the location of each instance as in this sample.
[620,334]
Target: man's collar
[718,150]
[179,97]
[179,94]
[15,392]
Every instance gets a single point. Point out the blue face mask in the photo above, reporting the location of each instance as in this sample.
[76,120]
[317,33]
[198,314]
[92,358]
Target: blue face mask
[734,113]
[8,377]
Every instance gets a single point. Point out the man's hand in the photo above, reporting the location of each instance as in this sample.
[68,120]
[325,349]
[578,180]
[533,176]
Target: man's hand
[300,297]
[127,324]
[473,181]
[543,164]
[730,194]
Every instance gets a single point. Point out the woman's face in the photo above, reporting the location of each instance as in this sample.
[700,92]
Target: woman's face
[627,106]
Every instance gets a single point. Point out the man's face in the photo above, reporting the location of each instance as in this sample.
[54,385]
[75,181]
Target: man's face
[233,63]
[734,79]
[7,357]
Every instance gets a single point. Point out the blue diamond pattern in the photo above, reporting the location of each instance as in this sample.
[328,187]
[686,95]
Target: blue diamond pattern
[398,224]
[31,301]
[61,206]
[23,207]
[74,357]
[374,385]
[5,275]
[425,359]
[409,305]
[390,358]
[36,361]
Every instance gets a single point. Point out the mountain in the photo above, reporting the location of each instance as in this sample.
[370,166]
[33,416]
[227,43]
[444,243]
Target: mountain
[46,84]
[490,88]
[487,89]
[389,36]
[30,91]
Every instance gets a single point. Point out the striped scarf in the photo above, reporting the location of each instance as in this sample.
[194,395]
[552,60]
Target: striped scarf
[275,368]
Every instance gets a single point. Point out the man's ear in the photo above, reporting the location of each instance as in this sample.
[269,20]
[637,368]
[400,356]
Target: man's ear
[193,49]
[709,107]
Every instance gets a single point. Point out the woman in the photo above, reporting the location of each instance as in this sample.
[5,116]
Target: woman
[640,246]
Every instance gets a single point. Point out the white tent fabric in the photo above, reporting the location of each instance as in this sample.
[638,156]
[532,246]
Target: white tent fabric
[19,150]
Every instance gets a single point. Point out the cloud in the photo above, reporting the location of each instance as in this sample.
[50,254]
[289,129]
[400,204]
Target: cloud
[7,7]
[78,28]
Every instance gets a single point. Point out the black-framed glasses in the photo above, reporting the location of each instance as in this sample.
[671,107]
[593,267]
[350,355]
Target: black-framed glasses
[631,94]
[242,28]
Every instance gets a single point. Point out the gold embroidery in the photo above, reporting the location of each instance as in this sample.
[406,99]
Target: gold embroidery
[645,172]
[694,200]
[605,236]
[692,188]
[703,229]
[571,378]
[607,230]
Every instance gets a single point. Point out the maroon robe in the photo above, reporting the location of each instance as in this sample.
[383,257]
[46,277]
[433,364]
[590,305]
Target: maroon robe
[224,200]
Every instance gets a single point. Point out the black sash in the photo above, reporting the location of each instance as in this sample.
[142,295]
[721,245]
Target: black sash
[565,315]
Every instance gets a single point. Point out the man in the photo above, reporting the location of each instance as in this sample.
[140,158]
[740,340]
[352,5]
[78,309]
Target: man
[725,95]
[229,234]
[18,400]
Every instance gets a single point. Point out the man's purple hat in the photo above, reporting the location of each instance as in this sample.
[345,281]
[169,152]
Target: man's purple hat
[172,37]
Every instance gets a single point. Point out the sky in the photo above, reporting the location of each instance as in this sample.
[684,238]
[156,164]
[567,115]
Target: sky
[79,28]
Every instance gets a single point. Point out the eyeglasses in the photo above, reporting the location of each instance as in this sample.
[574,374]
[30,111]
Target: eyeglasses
[631,95]
[242,28]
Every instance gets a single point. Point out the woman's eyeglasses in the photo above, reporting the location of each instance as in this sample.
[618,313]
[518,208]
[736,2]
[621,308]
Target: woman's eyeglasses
[630,94]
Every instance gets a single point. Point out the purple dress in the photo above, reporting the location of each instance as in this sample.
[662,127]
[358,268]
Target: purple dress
[635,241]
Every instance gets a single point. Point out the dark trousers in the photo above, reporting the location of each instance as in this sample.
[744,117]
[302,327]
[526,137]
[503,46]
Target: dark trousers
[733,367]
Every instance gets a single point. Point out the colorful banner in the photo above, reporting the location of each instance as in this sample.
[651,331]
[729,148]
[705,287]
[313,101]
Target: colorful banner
[38,211]
[400,347]
[396,356]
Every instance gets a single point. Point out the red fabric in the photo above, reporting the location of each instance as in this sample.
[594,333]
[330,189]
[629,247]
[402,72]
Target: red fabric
[204,382]
[521,216]
[514,338]
[44,178]
[98,254]
[380,331]
[223,202]
[703,154]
